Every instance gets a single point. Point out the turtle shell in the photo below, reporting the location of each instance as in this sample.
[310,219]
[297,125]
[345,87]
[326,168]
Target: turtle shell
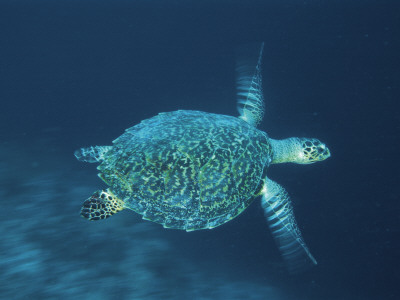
[187,169]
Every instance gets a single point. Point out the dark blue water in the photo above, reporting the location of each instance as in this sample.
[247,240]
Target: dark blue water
[77,73]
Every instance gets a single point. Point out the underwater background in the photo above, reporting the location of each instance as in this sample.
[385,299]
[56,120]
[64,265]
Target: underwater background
[78,73]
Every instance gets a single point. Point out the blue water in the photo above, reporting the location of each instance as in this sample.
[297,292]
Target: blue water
[77,73]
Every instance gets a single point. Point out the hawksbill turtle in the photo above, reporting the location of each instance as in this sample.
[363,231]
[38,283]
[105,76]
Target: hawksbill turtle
[194,170]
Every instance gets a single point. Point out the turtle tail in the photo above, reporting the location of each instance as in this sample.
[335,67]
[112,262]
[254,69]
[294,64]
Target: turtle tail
[92,154]
[101,205]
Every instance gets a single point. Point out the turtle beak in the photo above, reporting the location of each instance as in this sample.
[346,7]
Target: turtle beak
[326,153]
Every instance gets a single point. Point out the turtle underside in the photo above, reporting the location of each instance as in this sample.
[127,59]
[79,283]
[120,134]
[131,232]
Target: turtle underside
[187,169]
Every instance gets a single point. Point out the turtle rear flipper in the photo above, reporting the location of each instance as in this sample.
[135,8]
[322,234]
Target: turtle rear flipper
[101,205]
[92,154]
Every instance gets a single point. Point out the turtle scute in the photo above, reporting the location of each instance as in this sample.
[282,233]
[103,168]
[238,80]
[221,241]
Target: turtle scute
[187,169]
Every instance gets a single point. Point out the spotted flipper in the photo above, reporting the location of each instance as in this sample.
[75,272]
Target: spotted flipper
[92,154]
[250,99]
[279,213]
[101,205]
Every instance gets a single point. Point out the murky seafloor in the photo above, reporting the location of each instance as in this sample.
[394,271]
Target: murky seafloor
[49,252]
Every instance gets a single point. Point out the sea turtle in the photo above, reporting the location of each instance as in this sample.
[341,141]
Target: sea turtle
[194,170]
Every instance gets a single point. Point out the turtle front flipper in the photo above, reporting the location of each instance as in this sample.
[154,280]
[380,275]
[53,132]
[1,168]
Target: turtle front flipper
[101,205]
[250,99]
[279,213]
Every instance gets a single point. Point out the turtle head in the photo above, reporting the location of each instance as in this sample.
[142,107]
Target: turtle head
[312,150]
[299,151]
